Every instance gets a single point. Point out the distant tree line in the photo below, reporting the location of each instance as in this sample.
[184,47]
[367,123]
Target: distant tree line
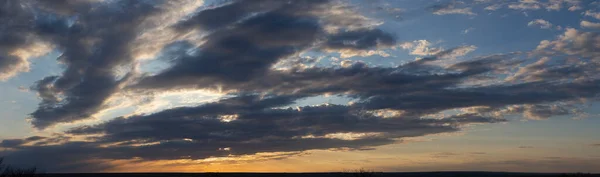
[9,171]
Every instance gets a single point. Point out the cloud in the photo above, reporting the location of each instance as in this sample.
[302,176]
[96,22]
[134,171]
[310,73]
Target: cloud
[525,5]
[540,112]
[450,8]
[198,133]
[93,45]
[86,85]
[575,8]
[263,123]
[359,43]
[19,43]
[420,48]
[466,31]
[493,7]
[237,56]
[574,43]
[595,15]
[444,154]
[587,24]
[550,5]
[543,24]
[264,40]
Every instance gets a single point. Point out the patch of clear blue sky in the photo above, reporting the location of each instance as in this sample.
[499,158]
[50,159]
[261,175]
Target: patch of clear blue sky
[507,27]
[16,103]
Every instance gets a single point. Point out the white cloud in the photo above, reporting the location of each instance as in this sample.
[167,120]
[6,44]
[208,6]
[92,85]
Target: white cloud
[348,53]
[17,60]
[587,24]
[493,7]
[342,16]
[465,11]
[592,14]
[467,30]
[550,5]
[525,5]
[541,23]
[421,48]
[447,9]
[575,7]
[573,43]
[460,51]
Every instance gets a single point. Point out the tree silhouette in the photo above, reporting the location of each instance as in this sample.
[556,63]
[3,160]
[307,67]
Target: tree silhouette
[8,171]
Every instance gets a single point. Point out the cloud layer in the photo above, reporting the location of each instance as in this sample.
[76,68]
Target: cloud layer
[234,48]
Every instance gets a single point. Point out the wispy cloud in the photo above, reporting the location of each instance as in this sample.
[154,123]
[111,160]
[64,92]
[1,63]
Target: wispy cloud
[543,24]
[450,8]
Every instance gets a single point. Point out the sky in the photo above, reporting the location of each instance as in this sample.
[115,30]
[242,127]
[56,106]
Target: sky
[300,85]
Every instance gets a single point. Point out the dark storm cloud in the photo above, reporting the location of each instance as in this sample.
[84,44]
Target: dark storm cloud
[360,40]
[91,49]
[213,19]
[12,143]
[45,90]
[357,79]
[7,63]
[241,53]
[198,132]
[15,33]
[244,52]
[63,7]
[243,41]
[22,24]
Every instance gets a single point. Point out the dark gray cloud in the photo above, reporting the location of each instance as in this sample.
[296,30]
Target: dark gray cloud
[11,143]
[14,34]
[360,40]
[199,132]
[96,43]
[227,15]
[243,41]
[245,51]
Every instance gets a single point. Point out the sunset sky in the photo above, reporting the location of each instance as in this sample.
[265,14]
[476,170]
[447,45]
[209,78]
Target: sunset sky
[300,85]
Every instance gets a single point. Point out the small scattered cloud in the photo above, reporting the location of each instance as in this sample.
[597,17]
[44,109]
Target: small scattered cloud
[420,48]
[450,8]
[493,7]
[466,31]
[23,89]
[525,147]
[424,48]
[595,15]
[550,5]
[525,5]
[588,24]
[543,24]
[575,8]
